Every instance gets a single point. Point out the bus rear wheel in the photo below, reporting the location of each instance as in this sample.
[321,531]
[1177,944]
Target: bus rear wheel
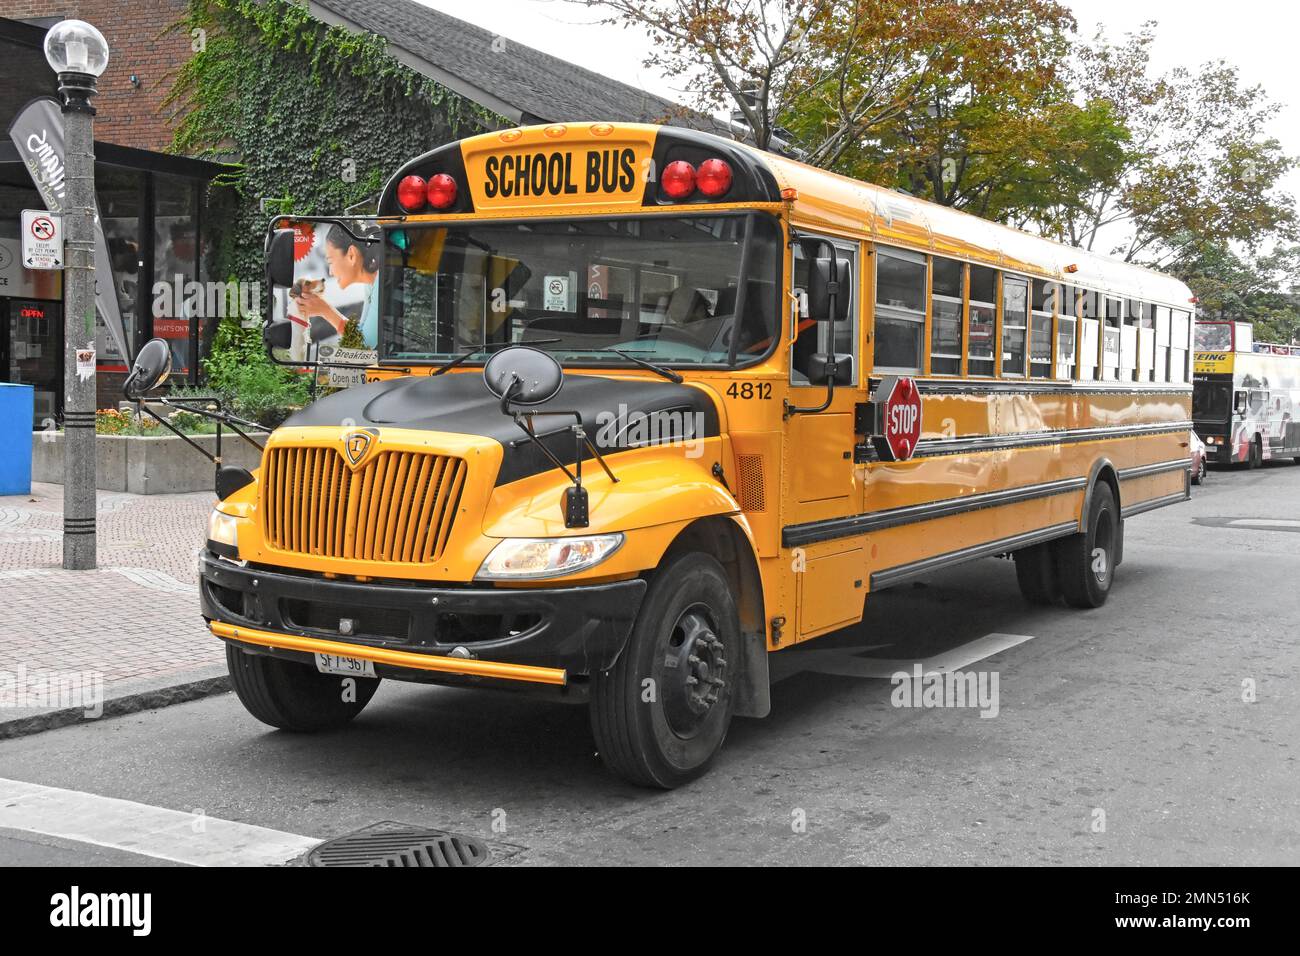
[1085,562]
[293,696]
[1036,574]
[661,713]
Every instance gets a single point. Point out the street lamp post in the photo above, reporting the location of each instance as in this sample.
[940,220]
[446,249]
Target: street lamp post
[78,53]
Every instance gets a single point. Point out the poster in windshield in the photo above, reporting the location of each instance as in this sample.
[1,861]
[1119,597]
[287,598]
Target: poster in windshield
[334,290]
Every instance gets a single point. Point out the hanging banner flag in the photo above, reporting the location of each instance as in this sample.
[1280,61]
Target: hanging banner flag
[37,132]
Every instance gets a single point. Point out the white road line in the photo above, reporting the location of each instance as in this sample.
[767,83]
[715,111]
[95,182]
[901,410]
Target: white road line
[1265,522]
[845,662]
[139,828]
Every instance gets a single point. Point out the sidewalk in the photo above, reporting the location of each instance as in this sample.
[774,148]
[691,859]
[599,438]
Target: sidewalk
[129,630]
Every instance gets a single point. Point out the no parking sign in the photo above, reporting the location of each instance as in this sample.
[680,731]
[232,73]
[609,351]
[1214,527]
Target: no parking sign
[42,239]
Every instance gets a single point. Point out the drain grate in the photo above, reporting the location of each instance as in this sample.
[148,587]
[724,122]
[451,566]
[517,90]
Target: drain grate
[397,844]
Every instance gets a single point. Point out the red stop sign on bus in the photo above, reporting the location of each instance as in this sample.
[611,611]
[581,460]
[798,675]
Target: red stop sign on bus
[898,425]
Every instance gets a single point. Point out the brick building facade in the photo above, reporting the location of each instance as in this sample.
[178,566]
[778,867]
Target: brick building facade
[143,44]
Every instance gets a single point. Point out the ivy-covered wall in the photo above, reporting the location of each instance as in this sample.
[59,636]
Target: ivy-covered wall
[316,119]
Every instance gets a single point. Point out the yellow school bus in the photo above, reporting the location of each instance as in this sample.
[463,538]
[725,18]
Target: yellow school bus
[649,406]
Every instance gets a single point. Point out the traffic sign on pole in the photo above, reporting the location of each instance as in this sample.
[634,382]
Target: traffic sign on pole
[42,239]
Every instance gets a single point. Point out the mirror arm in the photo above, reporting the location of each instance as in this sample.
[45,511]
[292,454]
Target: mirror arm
[792,410]
[581,438]
[584,439]
[177,432]
[520,418]
[833,292]
[221,416]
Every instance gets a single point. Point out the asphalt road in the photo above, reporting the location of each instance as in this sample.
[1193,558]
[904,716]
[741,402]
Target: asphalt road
[1121,736]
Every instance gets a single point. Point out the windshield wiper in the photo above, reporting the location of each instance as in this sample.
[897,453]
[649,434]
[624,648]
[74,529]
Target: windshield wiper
[464,357]
[636,360]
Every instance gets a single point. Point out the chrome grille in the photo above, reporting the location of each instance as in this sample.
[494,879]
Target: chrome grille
[397,506]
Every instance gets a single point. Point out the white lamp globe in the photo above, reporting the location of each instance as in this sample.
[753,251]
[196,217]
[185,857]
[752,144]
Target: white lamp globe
[74,46]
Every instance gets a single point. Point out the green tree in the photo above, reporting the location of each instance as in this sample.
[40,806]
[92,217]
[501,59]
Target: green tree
[1263,291]
[1200,169]
[818,76]
[997,132]
[963,103]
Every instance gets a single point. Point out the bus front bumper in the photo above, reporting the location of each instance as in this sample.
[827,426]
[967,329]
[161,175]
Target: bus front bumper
[537,635]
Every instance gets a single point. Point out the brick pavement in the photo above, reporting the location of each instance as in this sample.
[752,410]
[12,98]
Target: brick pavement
[133,621]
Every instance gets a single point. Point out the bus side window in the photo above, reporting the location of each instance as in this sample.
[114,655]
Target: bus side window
[1128,350]
[901,279]
[1110,342]
[983,316]
[1180,338]
[1089,331]
[1162,345]
[813,335]
[1067,331]
[1045,305]
[1015,324]
[1146,342]
[947,285]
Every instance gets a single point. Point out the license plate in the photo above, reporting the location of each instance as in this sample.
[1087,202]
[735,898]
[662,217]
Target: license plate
[346,666]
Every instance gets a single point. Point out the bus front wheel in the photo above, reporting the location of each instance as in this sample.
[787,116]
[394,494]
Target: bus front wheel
[293,696]
[1085,562]
[661,713]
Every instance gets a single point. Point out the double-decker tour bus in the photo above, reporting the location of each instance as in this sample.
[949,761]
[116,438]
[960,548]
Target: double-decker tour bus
[1246,395]
[648,406]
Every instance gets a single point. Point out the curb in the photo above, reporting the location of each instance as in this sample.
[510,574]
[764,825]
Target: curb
[132,698]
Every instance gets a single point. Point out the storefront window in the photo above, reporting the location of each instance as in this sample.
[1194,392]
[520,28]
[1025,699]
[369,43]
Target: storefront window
[175,263]
[120,193]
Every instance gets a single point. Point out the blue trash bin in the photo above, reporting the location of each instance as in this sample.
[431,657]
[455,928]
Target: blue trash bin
[16,413]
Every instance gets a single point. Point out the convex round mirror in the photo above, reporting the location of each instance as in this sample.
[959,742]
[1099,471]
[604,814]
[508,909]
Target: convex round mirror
[530,375]
[152,366]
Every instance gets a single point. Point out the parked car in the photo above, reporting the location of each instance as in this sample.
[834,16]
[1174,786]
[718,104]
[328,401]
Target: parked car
[1197,449]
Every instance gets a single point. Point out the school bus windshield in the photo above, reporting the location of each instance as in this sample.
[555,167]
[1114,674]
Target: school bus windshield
[665,288]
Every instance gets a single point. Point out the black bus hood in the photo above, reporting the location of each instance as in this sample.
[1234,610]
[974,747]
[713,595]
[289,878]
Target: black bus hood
[616,413]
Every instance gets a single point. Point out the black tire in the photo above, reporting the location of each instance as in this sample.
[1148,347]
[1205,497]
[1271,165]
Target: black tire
[1085,562]
[1036,574]
[687,627]
[1199,477]
[1256,455]
[293,696]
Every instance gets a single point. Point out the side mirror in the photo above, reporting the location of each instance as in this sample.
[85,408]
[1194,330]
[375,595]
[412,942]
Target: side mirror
[278,334]
[824,369]
[521,375]
[1239,403]
[822,284]
[152,366]
[279,258]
